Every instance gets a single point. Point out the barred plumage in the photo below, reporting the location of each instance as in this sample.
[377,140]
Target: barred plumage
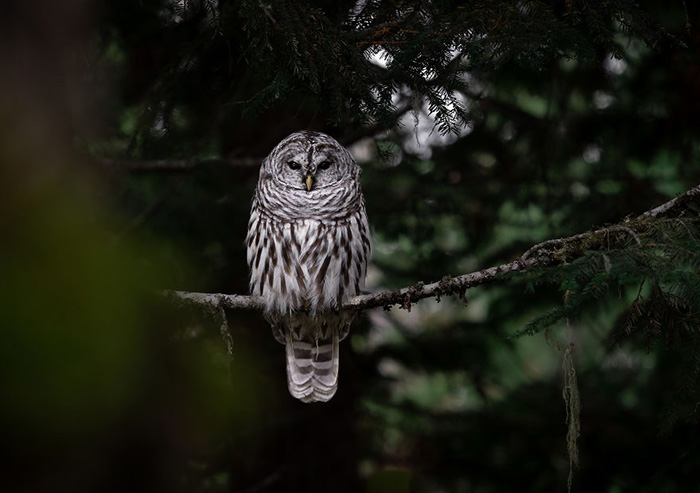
[308,246]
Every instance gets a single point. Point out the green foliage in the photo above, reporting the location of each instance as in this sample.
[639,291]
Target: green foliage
[654,273]
[662,253]
[250,55]
[483,127]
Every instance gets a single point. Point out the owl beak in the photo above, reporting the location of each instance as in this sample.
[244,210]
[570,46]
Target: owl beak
[309,181]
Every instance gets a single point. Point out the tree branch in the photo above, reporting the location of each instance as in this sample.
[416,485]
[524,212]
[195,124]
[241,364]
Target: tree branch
[673,204]
[136,165]
[546,253]
[175,165]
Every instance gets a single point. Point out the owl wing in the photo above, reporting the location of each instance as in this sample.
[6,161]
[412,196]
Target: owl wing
[334,261]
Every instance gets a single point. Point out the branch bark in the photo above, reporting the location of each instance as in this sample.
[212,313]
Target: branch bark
[543,254]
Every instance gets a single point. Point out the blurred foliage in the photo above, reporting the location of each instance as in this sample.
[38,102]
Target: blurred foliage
[482,127]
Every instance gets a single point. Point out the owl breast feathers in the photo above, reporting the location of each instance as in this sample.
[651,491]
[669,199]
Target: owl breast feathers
[307,248]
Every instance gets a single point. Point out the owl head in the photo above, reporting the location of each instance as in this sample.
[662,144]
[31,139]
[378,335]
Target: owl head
[309,161]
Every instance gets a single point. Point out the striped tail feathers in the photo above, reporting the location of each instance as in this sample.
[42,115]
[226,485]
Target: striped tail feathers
[312,363]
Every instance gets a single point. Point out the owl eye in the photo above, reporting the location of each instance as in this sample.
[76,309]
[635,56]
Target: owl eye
[324,165]
[293,165]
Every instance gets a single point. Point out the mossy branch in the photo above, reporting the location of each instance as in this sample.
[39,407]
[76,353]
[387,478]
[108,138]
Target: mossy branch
[547,253]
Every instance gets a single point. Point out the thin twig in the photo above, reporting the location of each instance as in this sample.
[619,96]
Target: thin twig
[175,164]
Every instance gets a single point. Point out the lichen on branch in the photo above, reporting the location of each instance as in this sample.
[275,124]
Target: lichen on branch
[547,253]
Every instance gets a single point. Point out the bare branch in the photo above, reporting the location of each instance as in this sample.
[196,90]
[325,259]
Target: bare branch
[177,165]
[404,297]
[546,253]
[448,286]
[217,300]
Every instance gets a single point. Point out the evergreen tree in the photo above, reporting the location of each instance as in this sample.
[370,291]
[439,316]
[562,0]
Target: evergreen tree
[538,134]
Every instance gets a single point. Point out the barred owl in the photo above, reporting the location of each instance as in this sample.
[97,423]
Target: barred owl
[307,250]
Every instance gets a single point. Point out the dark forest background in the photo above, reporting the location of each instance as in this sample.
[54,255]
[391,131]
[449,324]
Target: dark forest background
[130,136]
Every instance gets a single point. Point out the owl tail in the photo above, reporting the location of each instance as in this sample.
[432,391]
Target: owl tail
[312,364]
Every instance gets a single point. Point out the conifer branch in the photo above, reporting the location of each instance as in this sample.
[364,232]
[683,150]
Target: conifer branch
[548,252]
[137,165]
[147,165]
